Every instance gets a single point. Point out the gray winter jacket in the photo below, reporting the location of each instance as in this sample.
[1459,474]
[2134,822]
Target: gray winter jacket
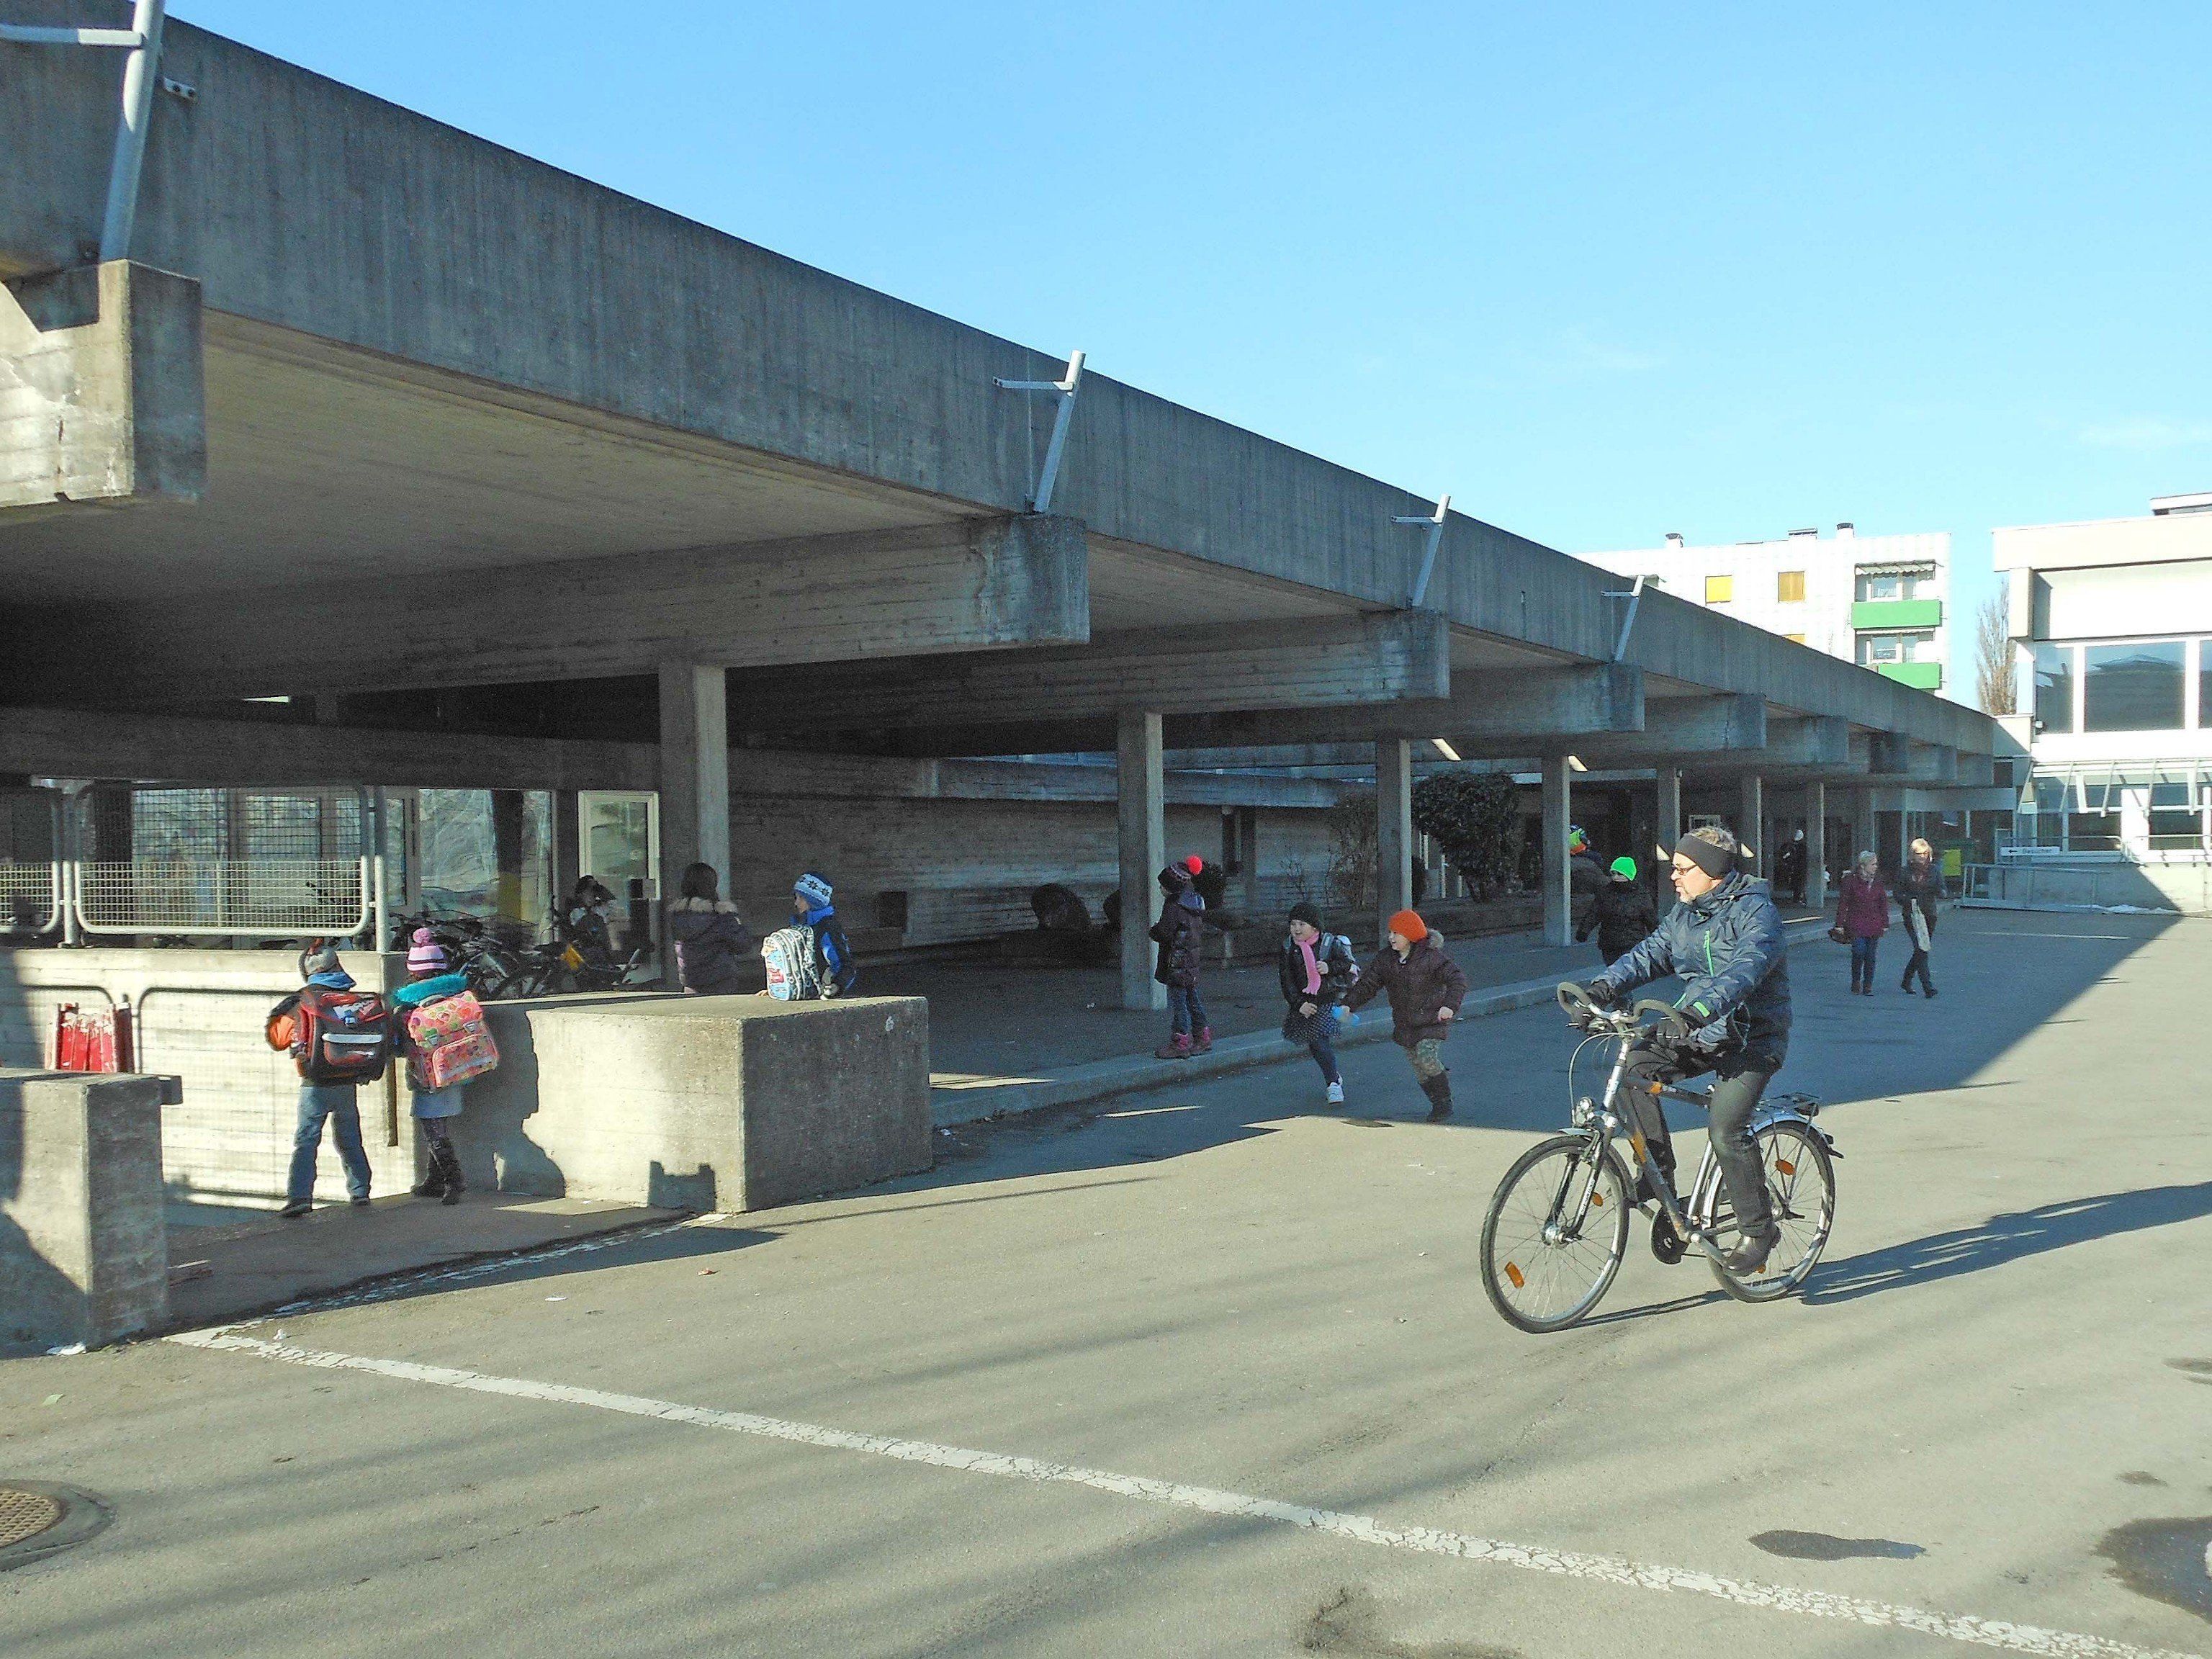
[1729,948]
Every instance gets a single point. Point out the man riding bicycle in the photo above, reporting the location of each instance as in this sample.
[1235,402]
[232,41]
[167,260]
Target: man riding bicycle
[1725,939]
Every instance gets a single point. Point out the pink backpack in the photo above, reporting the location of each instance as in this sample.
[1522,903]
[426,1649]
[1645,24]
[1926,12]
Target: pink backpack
[451,1041]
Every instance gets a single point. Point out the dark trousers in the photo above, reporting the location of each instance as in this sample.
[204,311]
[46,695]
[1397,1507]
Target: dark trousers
[1324,1056]
[1863,952]
[1918,963]
[1739,1080]
[1185,1013]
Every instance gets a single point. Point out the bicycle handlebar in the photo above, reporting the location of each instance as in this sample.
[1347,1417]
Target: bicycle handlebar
[1576,1003]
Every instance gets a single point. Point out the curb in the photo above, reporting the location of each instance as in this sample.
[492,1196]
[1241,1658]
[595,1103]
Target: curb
[1103,1079]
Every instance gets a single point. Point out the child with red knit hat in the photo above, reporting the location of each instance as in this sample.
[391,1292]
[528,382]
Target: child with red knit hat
[1180,933]
[1425,987]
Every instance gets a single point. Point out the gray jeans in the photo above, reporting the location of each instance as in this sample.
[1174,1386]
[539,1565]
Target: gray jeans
[339,1102]
[1739,1080]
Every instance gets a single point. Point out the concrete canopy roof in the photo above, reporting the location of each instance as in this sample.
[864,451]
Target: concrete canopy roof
[425,352]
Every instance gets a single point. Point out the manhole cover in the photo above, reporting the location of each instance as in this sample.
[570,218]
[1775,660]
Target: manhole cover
[37,1519]
[25,1514]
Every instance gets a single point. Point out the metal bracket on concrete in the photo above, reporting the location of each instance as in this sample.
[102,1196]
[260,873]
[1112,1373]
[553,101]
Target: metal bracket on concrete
[1065,389]
[1435,521]
[1635,596]
[142,40]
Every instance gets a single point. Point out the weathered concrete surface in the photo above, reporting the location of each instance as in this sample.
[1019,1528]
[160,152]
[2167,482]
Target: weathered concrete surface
[733,1103]
[306,208]
[1228,1288]
[83,1250]
[2033,885]
[100,392]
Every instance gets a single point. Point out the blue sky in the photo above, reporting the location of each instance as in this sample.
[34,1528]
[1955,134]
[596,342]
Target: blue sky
[1601,271]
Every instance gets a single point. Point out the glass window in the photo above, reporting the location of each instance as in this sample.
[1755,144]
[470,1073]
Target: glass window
[2132,688]
[1719,590]
[2205,682]
[1876,648]
[2054,687]
[1884,585]
[1789,587]
[2175,823]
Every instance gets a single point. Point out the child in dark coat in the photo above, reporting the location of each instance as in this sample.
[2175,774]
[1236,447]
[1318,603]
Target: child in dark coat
[1180,933]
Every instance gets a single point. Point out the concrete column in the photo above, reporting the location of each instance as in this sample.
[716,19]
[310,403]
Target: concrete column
[1669,815]
[695,773]
[1140,813]
[1862,824]
[1394,830]
[1751,820]
[1558,891]
[1816,845]
[1247,854]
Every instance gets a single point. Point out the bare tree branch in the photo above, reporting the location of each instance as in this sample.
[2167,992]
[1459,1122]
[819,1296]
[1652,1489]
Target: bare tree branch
[1994,680]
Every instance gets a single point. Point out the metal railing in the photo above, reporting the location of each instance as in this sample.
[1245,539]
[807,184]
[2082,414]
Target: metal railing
[31,897]
[268,898]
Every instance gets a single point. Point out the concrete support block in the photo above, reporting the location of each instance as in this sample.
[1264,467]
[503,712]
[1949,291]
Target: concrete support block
[83,1247]
[695,773]
[731,1103]
[1683,725]
[1751,822]
[1140,820]
[1393,829]
[1816,844]
[101,396]
[1559,894]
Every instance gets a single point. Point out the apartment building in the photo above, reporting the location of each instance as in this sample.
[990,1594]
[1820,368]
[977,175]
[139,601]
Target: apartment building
[1880,601]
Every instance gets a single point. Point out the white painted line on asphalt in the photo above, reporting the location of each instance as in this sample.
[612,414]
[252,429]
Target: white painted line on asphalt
[1359,1528]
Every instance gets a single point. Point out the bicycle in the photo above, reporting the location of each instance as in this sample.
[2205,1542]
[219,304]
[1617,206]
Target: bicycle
[1557,1230]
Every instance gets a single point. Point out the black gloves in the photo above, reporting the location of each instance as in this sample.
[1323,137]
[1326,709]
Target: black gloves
[1602,995]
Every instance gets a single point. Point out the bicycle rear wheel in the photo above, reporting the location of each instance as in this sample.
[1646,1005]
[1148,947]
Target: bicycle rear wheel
[1801,1185]
[1547,1256]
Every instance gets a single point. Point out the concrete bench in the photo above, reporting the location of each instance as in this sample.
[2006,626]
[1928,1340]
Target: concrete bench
[724,1103]
[83,1245]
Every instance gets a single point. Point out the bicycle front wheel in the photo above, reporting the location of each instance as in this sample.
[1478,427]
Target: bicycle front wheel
[1801,1185]
[1557,1231]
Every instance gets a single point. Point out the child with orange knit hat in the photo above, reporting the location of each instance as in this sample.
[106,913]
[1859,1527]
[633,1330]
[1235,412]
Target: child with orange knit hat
[1425,987]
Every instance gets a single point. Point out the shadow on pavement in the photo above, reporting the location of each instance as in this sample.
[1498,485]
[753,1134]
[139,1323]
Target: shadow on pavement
[2005,1238]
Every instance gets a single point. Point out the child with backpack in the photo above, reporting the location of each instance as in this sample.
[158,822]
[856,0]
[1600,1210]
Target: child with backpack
[338,1040]
[1180,932]
[436,1102]
[1317,971]
[810,958]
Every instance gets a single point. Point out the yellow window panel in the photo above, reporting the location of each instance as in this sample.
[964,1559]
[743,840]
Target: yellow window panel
[1719,590]
[1789,587]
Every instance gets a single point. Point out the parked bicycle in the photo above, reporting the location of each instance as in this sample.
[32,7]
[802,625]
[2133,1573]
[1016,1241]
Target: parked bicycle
[1557,1230]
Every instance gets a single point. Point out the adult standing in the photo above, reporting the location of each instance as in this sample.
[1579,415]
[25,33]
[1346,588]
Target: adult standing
[708,934]
[1919,890]
[1585,875]
[1863,913]
[1318,972]
[1425,987]
[1790,868]
[1622,914]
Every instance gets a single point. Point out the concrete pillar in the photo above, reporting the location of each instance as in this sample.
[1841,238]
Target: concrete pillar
[1247,854]
[1140,813]
[695,773]
[1559,890]
[1861,824]
[1751,823]
[1816,845]
[1394,830]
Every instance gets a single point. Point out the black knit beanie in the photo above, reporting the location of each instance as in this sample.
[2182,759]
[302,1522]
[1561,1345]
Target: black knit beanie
[1307,912]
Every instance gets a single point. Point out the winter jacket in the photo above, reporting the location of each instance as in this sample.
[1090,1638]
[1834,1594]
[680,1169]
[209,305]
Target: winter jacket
[1863,907]
[1420,985]
[1339,971]
[1623,916]
[1920,884]
[1729,947]
[709,939]
[1586,879]
[1180,933]
[836,952]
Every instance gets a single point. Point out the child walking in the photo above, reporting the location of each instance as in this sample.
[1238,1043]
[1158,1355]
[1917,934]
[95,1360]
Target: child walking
[1318,972]
[1425,987]
[1180,932]
[434,1109]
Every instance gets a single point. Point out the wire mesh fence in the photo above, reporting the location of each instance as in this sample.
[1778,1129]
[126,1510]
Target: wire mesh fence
[30,898]
[279,897]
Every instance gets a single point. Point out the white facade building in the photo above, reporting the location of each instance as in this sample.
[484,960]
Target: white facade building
[1880,601]
[2112,625]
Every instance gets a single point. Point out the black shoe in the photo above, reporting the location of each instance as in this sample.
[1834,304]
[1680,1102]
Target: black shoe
[433,1185]
[297,1208]
[1928,990]
[361,1203]
[1750,1253]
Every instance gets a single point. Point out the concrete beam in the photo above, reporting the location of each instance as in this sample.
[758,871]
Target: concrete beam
[242,754]
[1797,748]
[974,585]
[1486,713]
[1328,663]
[1683,725]
[101,398]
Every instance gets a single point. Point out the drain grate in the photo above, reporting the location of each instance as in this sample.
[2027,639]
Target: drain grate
[26,1514]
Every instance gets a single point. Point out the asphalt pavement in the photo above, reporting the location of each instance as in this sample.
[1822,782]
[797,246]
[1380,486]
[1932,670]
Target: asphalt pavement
[1211,1373]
